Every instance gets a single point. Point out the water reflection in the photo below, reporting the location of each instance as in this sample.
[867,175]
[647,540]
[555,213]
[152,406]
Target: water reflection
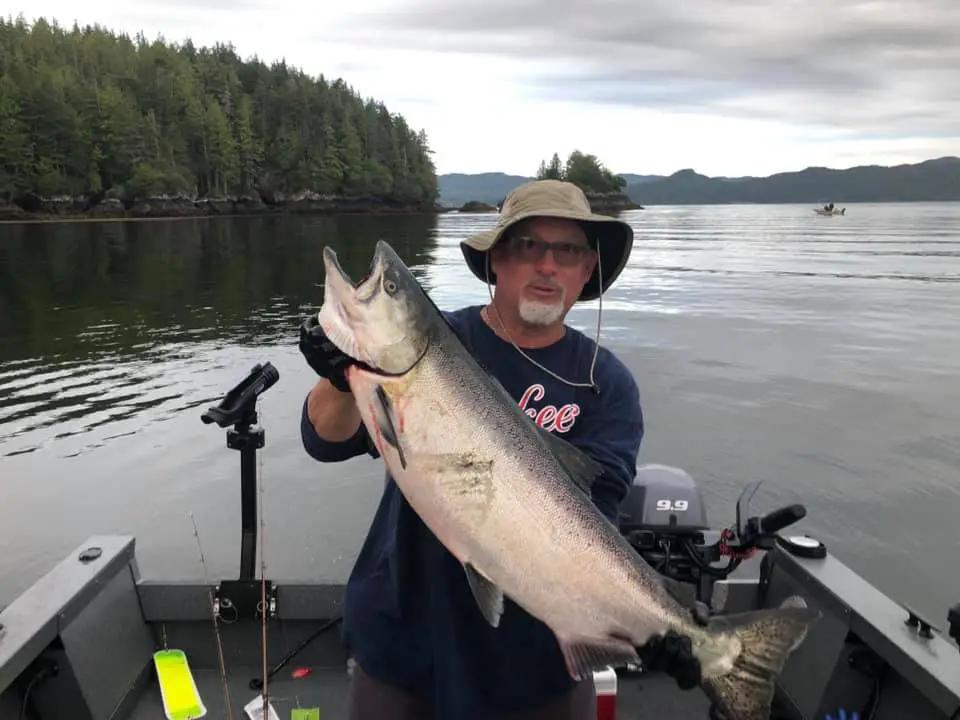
[71,290]
[104,322]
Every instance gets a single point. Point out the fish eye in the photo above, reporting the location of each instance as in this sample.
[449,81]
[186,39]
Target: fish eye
[390,286]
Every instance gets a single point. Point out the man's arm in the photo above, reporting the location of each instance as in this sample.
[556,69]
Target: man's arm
[330,425]
[613,437]
[333,414]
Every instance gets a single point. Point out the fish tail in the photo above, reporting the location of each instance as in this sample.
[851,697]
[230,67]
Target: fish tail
[766,638]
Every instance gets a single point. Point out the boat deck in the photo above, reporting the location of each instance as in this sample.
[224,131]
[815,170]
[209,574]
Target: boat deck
[95,621]
[647,696]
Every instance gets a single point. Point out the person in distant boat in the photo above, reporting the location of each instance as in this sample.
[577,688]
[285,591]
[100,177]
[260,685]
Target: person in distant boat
[422,649]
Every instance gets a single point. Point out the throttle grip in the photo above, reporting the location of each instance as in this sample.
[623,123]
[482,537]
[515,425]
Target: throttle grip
[781,518]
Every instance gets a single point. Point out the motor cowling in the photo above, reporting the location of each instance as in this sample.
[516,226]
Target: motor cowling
[663,499]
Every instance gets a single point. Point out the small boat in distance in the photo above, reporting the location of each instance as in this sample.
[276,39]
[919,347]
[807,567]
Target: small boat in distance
[829,210]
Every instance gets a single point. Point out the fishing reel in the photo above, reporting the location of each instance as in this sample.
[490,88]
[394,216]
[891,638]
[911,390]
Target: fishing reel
[664,520]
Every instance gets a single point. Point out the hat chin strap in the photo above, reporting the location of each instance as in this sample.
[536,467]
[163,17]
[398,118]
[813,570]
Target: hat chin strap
[596,349]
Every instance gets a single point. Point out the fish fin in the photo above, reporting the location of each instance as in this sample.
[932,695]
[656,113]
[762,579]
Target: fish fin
[583,469]
[489,596]
[385,422]
[767,638]
[586,655]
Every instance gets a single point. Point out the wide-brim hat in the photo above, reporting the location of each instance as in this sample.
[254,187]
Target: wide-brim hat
[612,238]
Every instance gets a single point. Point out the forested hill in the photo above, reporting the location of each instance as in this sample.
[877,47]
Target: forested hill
[87,113]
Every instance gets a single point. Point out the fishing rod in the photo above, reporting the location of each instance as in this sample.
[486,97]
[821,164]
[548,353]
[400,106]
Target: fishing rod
[215,615]
[265,694]
[257,683]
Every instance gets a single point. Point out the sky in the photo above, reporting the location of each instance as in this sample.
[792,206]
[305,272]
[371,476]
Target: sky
[725,87]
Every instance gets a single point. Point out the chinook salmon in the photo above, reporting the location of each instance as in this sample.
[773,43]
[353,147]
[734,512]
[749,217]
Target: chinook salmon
[511,501]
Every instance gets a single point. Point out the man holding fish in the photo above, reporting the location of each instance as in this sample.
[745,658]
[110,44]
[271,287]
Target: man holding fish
[493,579]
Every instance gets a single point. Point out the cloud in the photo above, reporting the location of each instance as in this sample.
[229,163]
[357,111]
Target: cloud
[891,66]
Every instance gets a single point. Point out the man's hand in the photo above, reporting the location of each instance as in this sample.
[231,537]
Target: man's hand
[322,355]
[672,654]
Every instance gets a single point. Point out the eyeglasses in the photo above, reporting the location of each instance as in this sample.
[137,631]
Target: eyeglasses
[529,249]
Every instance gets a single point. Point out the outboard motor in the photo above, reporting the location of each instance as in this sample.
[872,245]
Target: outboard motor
[664,519]
[663,498]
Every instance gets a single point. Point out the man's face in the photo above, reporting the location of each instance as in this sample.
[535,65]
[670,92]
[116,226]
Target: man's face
[542,267]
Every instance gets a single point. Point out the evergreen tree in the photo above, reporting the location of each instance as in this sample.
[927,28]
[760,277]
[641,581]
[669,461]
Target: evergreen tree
[86,111]
[584,171]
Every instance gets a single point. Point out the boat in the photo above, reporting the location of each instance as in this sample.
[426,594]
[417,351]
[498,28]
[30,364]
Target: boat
[94,640]
[825,211]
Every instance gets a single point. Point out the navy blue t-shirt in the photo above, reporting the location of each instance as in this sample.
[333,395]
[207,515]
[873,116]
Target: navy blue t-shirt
[410,619]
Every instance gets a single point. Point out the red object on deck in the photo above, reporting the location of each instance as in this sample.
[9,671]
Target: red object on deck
[300,672]
[605,682]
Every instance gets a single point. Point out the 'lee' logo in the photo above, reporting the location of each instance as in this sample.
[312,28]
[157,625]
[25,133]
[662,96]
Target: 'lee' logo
[549,417]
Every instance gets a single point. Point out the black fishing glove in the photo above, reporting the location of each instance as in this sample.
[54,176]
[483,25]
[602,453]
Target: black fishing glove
[672,654]
[322,355]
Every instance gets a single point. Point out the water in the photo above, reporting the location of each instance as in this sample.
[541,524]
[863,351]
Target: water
[817,354]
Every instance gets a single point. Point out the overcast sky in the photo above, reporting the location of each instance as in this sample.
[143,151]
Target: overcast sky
[726,87]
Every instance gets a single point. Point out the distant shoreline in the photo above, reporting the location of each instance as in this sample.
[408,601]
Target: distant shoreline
[36,218]
[34,209]
[12,214]
[603,203]
[31,208]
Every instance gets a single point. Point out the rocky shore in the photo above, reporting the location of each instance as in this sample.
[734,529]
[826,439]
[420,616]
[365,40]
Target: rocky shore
[611,203]
[31,207]
[475,206]
[602,203]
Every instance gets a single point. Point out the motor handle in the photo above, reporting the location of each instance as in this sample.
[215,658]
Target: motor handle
[759,532]
[777,520]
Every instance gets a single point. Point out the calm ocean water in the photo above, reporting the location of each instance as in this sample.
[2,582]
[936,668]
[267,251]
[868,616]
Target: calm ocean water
[820,355]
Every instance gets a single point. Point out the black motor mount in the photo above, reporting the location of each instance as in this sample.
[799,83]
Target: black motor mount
[239,409]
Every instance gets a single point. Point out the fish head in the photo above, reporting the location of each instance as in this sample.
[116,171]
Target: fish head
[384,320]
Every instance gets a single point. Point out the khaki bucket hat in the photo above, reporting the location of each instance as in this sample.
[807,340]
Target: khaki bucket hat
[558,199]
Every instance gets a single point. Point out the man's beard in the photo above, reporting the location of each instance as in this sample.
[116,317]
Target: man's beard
[534,312]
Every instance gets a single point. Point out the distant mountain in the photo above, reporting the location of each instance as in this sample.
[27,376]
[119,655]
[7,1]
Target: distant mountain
[932,180]
[633,179]
[459,188]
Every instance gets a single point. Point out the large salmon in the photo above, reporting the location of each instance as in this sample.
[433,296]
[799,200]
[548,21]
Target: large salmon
[511,501]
